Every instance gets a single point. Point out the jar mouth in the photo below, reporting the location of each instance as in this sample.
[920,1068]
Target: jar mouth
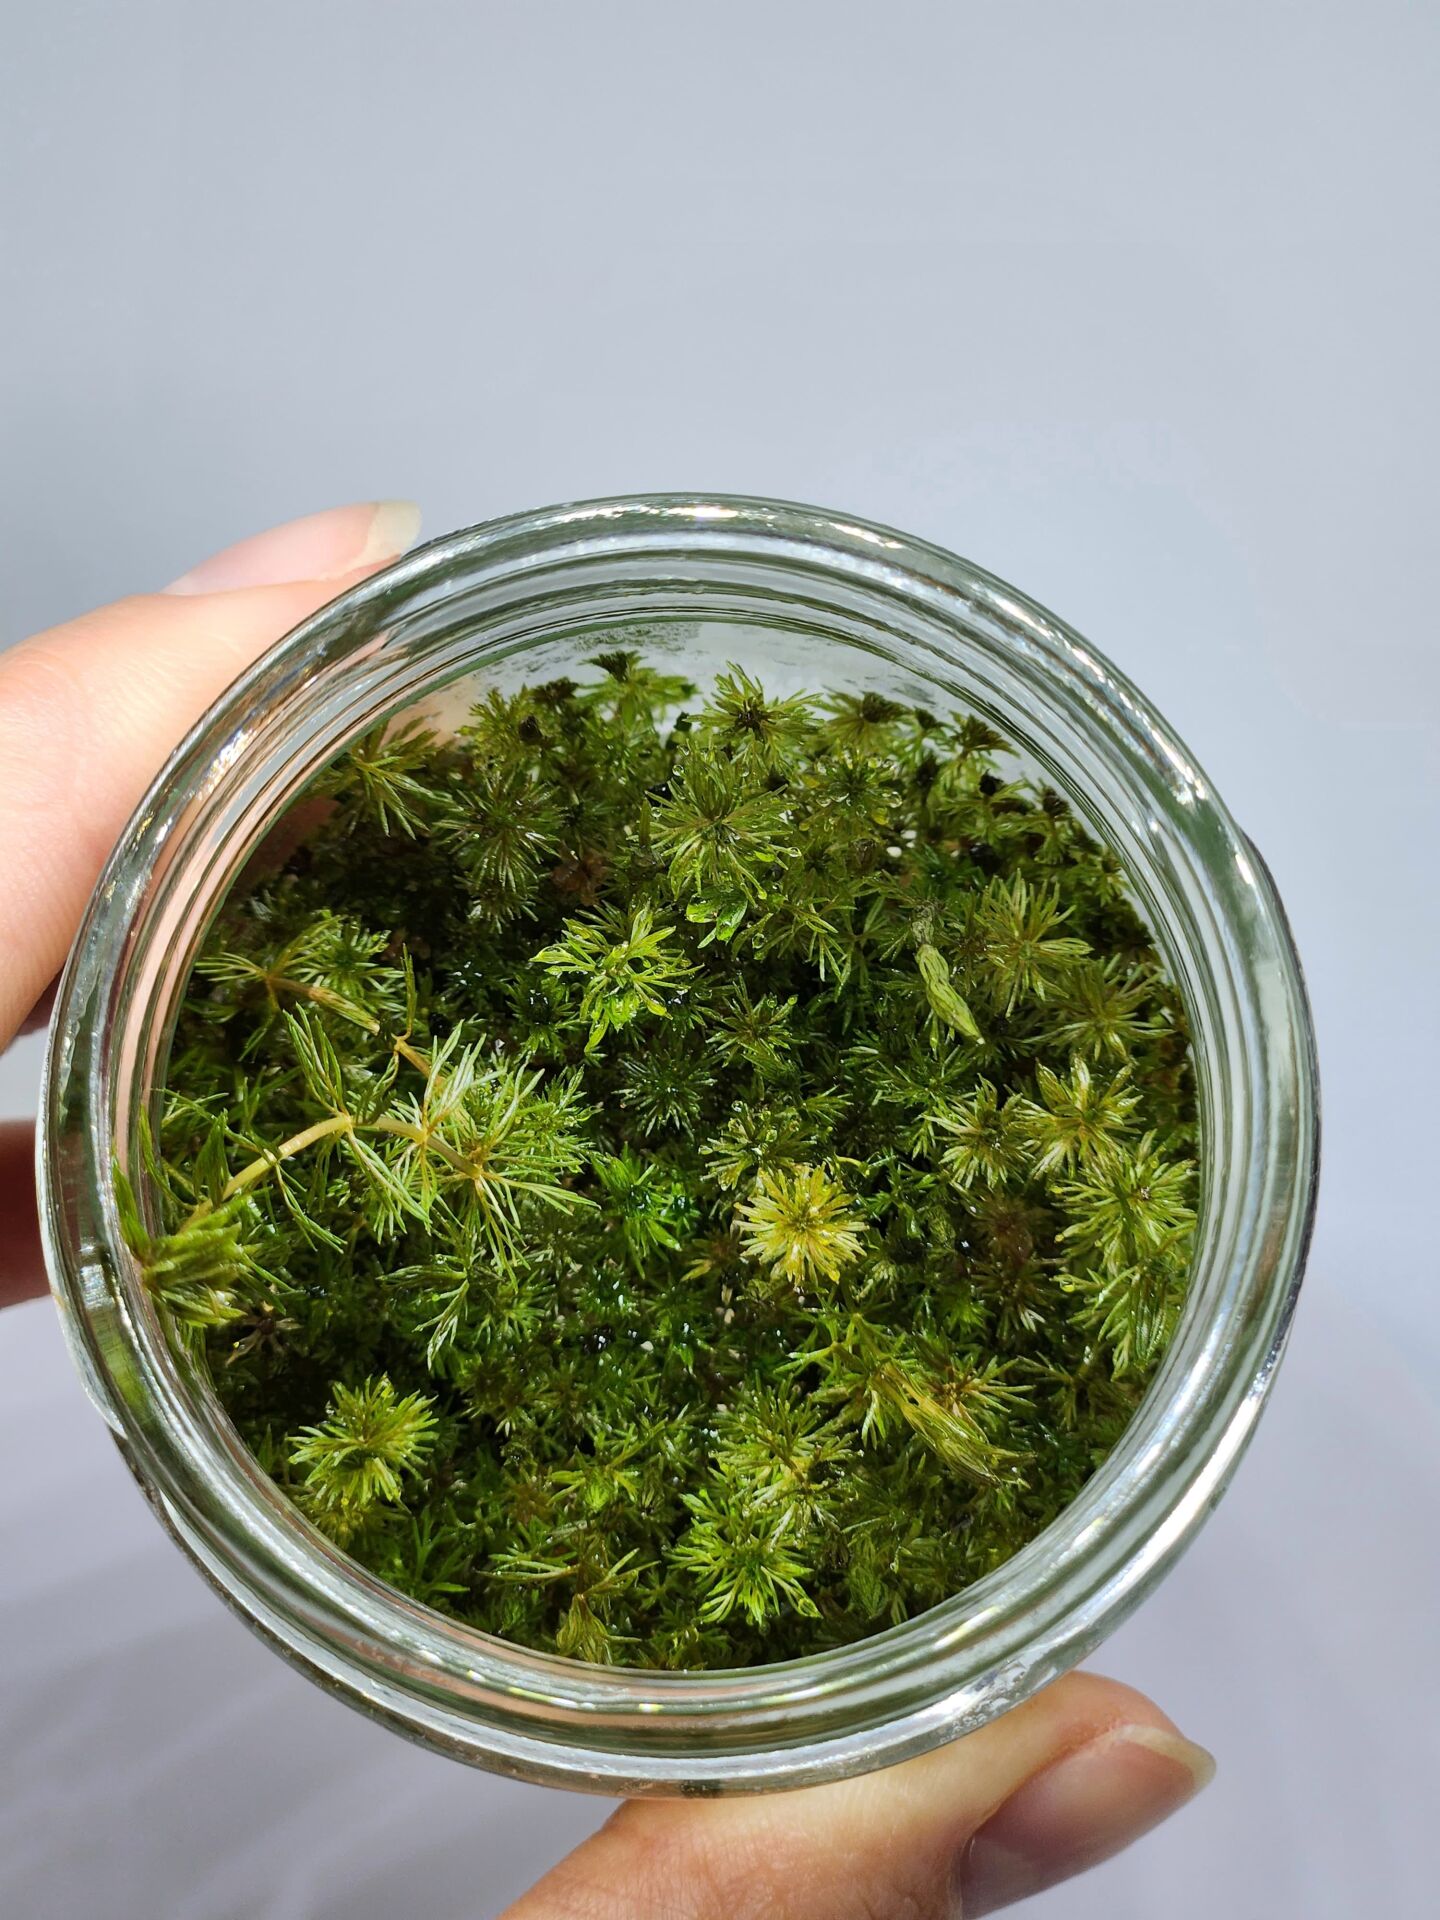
[896,611]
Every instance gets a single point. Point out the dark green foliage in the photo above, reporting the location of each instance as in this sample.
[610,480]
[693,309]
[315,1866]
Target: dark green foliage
[681,1189]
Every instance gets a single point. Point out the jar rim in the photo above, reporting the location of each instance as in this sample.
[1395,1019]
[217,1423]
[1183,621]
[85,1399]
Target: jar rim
[623,1729]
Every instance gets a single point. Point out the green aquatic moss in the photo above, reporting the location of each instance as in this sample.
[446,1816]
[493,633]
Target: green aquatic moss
[680,1182]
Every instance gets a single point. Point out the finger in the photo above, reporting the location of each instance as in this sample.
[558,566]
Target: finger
[39,1015]
[322,546]
[89,710]
[22,1266]
[1062,1782]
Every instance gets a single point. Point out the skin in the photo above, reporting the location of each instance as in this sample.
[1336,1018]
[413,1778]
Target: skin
[1055,1786]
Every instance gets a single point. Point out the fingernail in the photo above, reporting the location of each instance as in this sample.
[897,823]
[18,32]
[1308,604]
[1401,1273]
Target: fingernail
[1078,1812]
[319,547]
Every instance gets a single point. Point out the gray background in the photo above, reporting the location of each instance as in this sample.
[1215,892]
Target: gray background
[1133,304]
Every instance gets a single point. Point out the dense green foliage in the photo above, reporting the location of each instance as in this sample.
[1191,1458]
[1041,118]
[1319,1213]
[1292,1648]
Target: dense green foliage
[683,1184]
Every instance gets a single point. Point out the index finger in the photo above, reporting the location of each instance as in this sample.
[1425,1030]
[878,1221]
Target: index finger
[89,711]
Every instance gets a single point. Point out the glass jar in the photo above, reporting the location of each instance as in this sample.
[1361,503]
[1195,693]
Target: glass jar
[797,595]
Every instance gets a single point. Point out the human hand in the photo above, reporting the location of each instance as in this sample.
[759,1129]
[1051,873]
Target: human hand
[88,711]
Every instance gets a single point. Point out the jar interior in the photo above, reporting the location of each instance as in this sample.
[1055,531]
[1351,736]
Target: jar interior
[451,664]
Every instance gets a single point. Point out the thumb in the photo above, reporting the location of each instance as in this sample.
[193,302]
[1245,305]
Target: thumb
[89,710]
[1049,1789]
